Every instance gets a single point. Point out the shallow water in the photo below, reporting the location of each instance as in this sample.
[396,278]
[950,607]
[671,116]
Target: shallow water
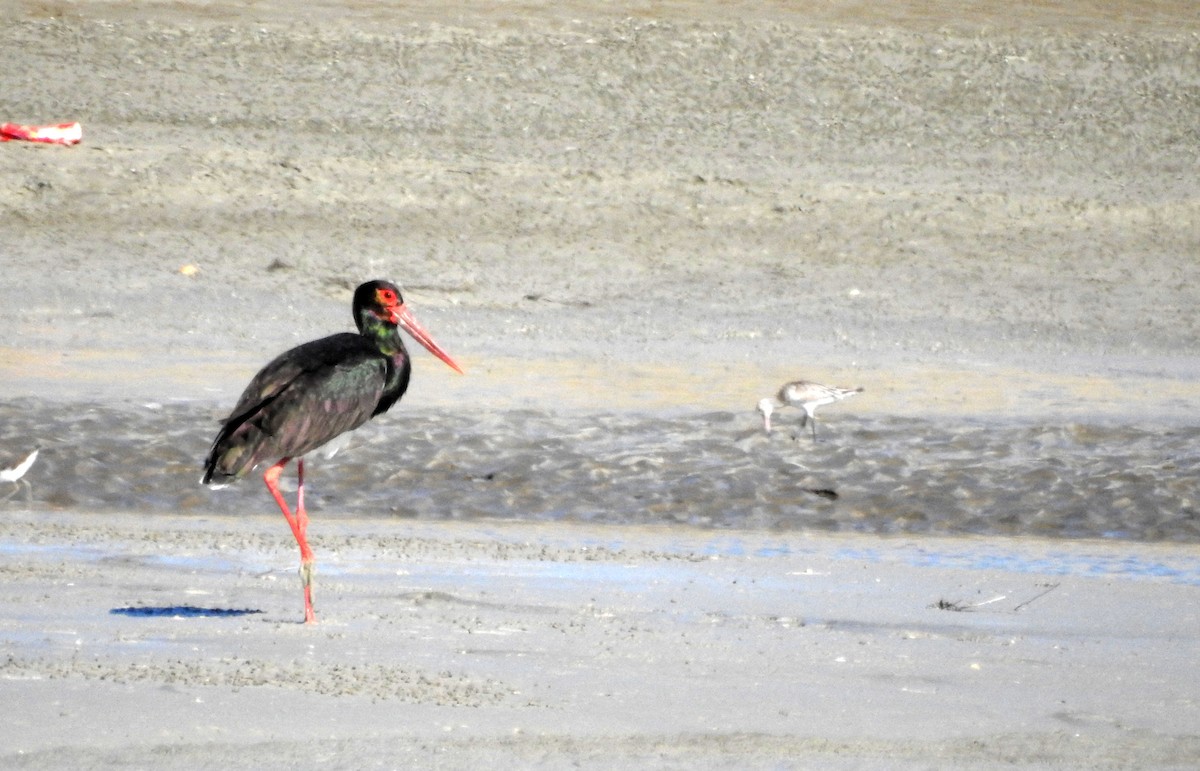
[868,474]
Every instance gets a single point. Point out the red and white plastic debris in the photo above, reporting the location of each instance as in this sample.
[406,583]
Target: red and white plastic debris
[58,134]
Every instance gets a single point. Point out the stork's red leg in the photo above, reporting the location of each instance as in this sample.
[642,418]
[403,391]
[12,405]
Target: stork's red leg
[299,524]
[301,514]
[308,569]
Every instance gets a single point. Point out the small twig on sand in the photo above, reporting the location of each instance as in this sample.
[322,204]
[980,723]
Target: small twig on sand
[962,607]
[1040,595]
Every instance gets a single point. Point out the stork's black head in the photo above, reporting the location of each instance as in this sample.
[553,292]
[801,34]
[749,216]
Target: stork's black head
[380,302]
[379,298]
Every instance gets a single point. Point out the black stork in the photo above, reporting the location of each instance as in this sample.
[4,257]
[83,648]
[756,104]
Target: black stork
[806,395]
[311,394]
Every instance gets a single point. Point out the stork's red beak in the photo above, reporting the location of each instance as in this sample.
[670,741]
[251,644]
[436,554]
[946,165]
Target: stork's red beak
[405,320]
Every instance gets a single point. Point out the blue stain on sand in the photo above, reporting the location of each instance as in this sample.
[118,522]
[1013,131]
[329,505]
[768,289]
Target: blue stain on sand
[1183,569]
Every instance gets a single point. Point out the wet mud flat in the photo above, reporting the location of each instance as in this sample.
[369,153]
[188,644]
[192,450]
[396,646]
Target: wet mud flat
[867,473]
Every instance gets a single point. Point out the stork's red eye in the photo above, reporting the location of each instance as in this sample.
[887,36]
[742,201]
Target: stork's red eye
[387,297]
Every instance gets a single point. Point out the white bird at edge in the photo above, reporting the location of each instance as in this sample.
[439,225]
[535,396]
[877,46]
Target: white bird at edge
[14,472]
[808,396]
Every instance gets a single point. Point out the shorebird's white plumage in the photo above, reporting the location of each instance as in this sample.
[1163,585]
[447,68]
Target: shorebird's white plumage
[16,471]
[806,395]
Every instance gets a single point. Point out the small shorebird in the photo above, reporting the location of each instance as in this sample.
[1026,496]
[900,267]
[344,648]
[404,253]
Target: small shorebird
[13,473]
[806,395]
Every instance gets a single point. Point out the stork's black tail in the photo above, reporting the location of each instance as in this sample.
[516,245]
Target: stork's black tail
[233,453]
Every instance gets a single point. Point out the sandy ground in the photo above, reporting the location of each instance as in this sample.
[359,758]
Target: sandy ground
[548,647]
[675,207]
[671,208]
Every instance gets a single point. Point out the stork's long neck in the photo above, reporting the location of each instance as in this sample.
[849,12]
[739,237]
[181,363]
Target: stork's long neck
[386,337]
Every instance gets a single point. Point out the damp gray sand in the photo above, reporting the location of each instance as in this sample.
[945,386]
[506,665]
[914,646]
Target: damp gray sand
[136,639]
